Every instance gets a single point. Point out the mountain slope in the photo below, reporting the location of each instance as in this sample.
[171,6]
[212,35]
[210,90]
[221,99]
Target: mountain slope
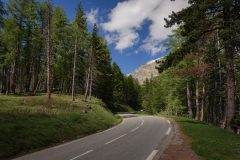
[145,71]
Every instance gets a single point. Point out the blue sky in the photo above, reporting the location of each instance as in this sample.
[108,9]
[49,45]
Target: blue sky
[134,28]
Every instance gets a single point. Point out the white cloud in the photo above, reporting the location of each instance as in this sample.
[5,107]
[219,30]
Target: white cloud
[126,19]
[153,46]
[92,16]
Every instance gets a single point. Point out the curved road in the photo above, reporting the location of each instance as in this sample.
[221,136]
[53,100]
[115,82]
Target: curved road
[136,138]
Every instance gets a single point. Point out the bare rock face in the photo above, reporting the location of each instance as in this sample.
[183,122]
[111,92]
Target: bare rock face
[146,71]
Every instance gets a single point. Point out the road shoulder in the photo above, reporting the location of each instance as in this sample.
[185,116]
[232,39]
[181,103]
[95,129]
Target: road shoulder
[179,148]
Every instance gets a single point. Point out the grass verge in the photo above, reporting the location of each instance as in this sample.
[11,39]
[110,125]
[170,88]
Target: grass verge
[210,142]
[28,123]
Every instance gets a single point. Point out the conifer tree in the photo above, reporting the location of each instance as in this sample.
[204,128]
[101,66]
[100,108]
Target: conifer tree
[81,36]
[48,37]
[118,84]
[218,16]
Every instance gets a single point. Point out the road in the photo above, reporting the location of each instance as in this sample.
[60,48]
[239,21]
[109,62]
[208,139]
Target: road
[136,138]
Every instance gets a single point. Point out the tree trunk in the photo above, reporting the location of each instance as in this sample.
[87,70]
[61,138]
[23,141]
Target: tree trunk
[197,117]
[49,50]
[74,70]
[230,108]
[231,105]
[189,101]
[87,84]
[91,82]
[4,81]
[36,87]
[202,104]
[88,81]
[91,78]
[14,73]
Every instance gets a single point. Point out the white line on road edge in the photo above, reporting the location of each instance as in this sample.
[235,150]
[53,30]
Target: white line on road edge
[152,155]
[81,155]
[114,127]
[116,139]
[65,144]
[78,140]
[168,131]
[168,122]
[142,122]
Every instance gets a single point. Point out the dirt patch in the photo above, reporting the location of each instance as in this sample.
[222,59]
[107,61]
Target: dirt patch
[179,148]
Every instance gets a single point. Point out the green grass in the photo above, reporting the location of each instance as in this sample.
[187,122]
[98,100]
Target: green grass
[210,142]
[29,123]
[121,108]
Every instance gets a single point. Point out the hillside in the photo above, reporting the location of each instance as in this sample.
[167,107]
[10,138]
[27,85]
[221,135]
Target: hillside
[145,71]
[29,123]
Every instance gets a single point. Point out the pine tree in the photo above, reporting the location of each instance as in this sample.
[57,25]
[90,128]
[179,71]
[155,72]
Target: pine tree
[132,92]
[63,48]
[118,84]
[90,79]
[48,37]
[81,36]
[219,17]
[103,82]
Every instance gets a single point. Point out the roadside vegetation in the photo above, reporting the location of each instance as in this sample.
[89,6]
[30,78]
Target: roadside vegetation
[30,123]
[43,52]
[210,142]
[199,78]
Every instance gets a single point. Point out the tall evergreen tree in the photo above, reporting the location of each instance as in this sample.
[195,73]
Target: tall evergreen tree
[132,95]
[218,16]
[118,84]
[63,49]
[48,37]
[81,36]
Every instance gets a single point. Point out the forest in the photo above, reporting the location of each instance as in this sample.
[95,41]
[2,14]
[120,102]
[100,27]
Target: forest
[41,51]
[200,78]
[61,92]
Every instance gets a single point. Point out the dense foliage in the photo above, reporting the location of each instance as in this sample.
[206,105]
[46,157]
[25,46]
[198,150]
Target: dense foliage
[41,51]
[200,77]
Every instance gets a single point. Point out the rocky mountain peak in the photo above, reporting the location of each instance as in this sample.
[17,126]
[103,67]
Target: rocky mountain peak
[145,71]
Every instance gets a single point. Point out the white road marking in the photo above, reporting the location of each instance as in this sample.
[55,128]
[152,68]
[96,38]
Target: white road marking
[114,127]
[168,122]
[116,139]
[168,131]
[81,155]
[65,144]
[133,130]
[152,155]
[142,122]
[75,141]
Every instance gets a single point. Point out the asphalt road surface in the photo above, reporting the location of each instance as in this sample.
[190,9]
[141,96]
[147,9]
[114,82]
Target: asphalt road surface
[136,138]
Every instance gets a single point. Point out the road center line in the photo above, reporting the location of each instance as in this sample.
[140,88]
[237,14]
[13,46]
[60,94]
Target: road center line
[133,130]
[116,139]
[152,155]
[168,131]
[81,155]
